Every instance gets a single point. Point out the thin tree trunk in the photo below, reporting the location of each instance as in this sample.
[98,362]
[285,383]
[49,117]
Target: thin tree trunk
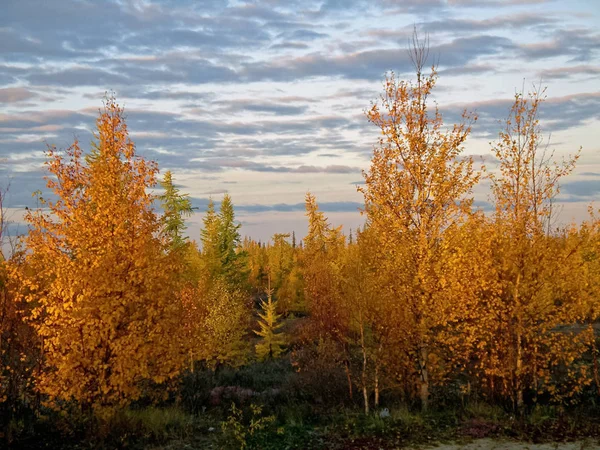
[349,378]
[376,385]
[534,372]
[365,398]
[347,370]
[519,352]
[518,386]
[424,388]
[377,376]
[364,368]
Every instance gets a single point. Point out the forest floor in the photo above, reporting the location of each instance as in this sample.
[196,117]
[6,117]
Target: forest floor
[477,444]
[501,444]
[273,406]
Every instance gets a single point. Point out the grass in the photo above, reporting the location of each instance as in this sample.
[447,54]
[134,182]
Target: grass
[297,426]
[154,424]
[284,417]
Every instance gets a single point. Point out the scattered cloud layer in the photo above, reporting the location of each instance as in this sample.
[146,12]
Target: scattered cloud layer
[266,99]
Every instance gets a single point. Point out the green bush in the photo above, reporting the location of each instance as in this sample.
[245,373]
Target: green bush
[246,429]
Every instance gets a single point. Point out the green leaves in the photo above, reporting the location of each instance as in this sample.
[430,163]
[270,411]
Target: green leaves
[272,342]
[176,206]
[221,240]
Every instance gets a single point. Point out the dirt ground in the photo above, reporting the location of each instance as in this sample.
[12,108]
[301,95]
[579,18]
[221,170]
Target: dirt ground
[494,444]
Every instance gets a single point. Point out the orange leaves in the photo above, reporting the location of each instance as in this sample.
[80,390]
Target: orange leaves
[323,246]
[526,305]
[416,190]
[528,177]
[100,279]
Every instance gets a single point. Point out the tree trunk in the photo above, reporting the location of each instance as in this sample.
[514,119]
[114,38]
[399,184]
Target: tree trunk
[365,398]
[376,385]
[364,369]
[377,376]
[519,349]
[424,389]
[349,378]
[534,371]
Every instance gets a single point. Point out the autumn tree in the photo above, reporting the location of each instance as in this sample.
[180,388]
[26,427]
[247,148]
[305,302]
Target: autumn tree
[216,304]
[323,247]
[280,254]
[257,263]
[98,275]
[285,273]
[210,240]
[532,302]
[272,340]
[360,300]
[321,269]
[418,186]
[20,351]
[19,346]
[221,331]
[584,276]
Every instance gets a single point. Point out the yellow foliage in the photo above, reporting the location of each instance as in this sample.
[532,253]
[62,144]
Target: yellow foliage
[99,278]
[416,191]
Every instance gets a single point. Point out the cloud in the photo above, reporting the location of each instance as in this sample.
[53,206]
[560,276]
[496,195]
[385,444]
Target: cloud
[578,44]
[495,3]
[556,113]
[79,76]
[268,107]
[580,190]
[21,185]
[114,73]
[511,21]
[561,73]
[216,191]
[290,46]
[306,35]
[468,69]
[326,169]
[372,64]
[269,87]
[15,95]
[327,207]
[220,163]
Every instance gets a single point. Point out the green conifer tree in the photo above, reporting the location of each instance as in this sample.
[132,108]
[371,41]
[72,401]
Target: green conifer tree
[229,235]
[176,206]
[232,258]
[210,239]
[272,343]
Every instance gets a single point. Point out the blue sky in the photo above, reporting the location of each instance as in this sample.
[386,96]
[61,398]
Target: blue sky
[265,99]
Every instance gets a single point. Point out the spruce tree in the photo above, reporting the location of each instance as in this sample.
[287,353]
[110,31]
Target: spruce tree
[176,206]
[272,343]
[229,235]
[210,239]
[232,259]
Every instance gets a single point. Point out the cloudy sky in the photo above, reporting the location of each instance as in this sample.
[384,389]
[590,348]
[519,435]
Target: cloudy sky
[265,99]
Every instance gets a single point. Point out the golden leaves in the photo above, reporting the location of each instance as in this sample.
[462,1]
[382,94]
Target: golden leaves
[101,280]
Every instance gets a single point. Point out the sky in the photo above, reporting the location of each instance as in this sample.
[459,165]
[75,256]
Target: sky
[265,99]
